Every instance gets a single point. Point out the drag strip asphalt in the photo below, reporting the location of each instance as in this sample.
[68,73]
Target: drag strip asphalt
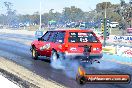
[20,54]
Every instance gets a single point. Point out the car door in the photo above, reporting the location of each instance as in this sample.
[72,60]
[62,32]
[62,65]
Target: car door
[51,42]
[42,43]
[59,41]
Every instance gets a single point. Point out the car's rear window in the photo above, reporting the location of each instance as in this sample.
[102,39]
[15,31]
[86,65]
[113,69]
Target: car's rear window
[82,37]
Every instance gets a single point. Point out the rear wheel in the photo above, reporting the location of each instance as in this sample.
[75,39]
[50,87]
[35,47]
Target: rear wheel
[34,54]
[54,56]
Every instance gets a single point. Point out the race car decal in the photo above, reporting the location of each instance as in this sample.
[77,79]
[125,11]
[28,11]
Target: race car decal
[46,46]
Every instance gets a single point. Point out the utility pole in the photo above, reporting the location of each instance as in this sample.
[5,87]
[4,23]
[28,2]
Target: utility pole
[40,17]
[105,25]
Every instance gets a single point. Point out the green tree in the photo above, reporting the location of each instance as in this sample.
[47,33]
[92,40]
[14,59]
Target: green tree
[114,16]
[51,16]
[45,18]
[122,2]
[72,14]
[3,19]
[130,2]
[102,6]
[35,18]
[11,14]
[25,18]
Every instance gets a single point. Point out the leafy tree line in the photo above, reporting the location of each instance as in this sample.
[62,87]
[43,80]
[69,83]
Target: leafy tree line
[10,14]
[115,12]
[69,14]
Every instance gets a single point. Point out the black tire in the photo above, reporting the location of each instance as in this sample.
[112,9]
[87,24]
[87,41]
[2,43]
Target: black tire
[57,55]
[34,54]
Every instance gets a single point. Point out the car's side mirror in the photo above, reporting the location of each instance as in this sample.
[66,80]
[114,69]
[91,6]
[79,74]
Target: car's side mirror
[39,39]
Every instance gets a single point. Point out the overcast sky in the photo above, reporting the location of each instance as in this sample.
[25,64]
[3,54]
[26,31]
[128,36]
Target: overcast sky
[31,6]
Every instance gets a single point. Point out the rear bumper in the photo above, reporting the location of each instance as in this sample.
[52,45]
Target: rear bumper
[77,55]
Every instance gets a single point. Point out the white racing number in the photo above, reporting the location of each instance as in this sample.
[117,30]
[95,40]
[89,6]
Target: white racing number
[83,40]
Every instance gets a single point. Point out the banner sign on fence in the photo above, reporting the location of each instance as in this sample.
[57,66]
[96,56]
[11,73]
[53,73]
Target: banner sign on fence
[123,38]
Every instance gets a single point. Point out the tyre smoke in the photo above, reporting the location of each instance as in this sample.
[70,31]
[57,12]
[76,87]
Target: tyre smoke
[69,67]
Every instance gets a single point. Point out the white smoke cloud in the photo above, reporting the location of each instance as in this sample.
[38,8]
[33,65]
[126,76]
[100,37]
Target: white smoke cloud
[70,67]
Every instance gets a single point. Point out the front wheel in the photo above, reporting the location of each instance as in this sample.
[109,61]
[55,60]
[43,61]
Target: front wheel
[34,54]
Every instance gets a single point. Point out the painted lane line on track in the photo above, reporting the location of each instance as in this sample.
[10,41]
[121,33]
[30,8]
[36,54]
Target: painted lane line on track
[119,62]
[118,59]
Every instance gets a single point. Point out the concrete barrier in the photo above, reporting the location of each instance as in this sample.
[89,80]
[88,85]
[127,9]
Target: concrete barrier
[124,51]
[109,50]
[118,50]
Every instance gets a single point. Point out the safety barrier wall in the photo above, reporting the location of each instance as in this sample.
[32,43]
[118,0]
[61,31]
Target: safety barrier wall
[118,39]
[121,42]
[118,50]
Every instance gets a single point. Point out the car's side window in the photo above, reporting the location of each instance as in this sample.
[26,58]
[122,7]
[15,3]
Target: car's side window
[60,37]
[52,37]
[46,36]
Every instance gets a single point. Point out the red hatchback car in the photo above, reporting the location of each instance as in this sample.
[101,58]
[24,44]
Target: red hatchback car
[68,44]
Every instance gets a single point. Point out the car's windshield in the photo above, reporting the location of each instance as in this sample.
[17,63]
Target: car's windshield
[82,37]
